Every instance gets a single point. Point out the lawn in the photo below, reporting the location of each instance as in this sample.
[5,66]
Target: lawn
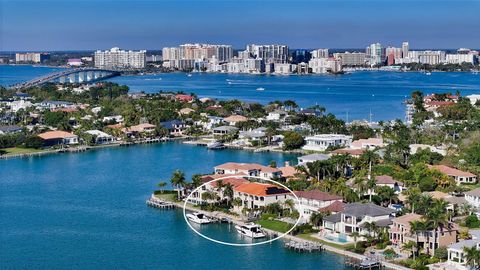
[275,225]
[19,150]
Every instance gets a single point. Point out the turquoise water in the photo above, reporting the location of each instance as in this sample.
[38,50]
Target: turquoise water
[87,211]
[356,94]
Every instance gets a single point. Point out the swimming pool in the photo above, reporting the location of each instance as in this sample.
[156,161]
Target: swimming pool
[340,238]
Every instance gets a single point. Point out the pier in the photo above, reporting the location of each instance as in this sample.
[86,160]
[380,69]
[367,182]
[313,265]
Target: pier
[366,263]
[159,203]
[303,246]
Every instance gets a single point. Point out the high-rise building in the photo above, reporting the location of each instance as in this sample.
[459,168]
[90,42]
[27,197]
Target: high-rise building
[405,49]
[269,53]
[31,57]
[375,54]
[116,58]
[351,58]
[299,56]
[393,53]
[319,53]
[325,65]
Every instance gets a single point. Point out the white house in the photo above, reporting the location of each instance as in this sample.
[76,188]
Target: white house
[473,197]
[250,169]
[276,115]
[354,216]
[460,177]
[302,160]
[456,253]
[100,136]
[321,142]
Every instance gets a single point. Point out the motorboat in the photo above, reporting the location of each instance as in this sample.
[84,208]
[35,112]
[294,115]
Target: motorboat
[250,230]
[260,89]
[189,75]
[215,145]
[198,218]
[428,73]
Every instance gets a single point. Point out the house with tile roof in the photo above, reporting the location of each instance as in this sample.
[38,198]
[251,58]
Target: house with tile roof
[311,201]
[234,119]
[369,143]
[460,177]
[256,195]
[250,169]
[56,137]
[388,181]
[400,233]
[456,253]
[216,183]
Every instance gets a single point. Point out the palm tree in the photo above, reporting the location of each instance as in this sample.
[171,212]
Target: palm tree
[178,180]
[355,236]
[161,185]
[413,196]
[472,256]
[289,203]
[237,202]
[410,246]
[209,196]
[437,216]
[316,218]
[197,180]
[228,192]
[417,227]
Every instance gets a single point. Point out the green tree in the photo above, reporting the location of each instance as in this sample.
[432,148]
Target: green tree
[292,140]
[161,185]
[178,180]
[33,142]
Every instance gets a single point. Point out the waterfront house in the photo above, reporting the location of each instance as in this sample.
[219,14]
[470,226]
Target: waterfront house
[51,138]
[400,233]
[211,184]
[250,169]
[232,120]
[369,143]
[11,129]
[311,201]
[174,127]
[353,219]
[257,195]
[460,177]
[303,160]
[137,129]
[212,121]
[321,142]
[257,134]
[224,130]
[334,208]
[100,136]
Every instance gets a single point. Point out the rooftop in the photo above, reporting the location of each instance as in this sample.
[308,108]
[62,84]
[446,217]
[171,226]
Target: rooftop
[317,195]
[58,134]
[246,167]
[452,171]
[258,189]
[368,209]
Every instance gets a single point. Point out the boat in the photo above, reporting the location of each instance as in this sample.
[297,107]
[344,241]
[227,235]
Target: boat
[260,89]
[428,73]
[250,230]
[215,145]
[189,75]
[198,218]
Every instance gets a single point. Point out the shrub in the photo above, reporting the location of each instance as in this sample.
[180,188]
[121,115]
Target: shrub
[472,221]
[441,253]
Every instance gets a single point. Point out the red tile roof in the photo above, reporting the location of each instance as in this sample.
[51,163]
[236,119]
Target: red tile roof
[451,171]
[246,167]
[235,182]
[317,195]
[56,135]
[335,207]
[258,189]
[288,171]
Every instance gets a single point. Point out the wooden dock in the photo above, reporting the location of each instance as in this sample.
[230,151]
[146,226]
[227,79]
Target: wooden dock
[366,263]
[303,246]
[159,203]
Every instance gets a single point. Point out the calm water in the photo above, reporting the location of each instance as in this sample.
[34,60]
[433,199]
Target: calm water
[354,94]
[87,211]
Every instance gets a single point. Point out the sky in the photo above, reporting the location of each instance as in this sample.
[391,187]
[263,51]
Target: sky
[149,24]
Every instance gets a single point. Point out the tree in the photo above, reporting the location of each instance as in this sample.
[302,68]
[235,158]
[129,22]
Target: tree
[472,256]
[228,192]
[197,180]
[161,185]
[292,140]
[355,236]
[410,246]
[316,218]
[178,180]
[386,195]
[33,142]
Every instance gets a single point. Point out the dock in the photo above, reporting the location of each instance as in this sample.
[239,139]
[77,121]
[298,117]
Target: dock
[159,203]
[303,246]
[366,263]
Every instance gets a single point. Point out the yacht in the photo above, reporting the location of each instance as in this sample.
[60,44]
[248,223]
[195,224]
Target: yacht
[189,75]
[250,230]
[428,73]
[198,218]
[215,145]
[260,89]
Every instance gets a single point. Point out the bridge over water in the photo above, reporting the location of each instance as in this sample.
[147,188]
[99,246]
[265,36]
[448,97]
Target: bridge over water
[80,75]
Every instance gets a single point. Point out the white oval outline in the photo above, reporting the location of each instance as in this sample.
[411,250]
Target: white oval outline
[237,244]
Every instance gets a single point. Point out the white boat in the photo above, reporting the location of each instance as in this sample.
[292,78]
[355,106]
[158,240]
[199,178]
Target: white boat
[198,218]
[428,73]
[250,230]
[215,145]
[260,89]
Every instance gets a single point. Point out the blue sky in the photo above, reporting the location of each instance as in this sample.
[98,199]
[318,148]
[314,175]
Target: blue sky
[149,24]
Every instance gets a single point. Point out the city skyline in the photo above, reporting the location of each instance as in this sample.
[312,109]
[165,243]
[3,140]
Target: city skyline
[92,25]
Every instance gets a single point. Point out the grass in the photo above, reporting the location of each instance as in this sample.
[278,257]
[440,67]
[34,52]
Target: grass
[19,150]
[167,196]
[275,225]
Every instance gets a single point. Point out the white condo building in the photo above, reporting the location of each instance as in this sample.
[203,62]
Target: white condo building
[351,58]
[321,142]
[116,58]
[269,53]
